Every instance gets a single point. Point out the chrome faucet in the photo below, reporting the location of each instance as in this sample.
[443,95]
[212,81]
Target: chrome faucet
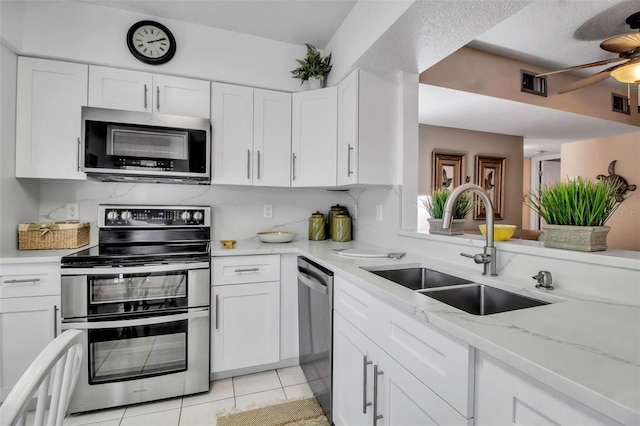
[488,258]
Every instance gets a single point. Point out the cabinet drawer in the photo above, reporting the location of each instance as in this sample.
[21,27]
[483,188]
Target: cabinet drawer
[355,304]
[29,279]
[442,362]
[245,269]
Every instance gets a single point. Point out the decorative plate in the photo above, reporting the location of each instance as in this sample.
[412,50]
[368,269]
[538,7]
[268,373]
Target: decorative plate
[276,236]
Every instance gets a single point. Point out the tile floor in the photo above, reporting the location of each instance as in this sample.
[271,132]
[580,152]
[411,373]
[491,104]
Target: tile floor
[227,395]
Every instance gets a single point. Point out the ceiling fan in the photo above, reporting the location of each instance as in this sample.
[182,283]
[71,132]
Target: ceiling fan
[627,69]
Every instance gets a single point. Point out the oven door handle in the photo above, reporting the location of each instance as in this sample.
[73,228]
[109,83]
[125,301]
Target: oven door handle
[116,270]
[162,319]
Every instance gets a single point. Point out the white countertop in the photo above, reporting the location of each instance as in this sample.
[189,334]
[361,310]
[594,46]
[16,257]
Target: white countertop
[585,347]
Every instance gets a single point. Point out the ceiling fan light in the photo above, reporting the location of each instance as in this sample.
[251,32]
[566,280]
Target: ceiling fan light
[627,73]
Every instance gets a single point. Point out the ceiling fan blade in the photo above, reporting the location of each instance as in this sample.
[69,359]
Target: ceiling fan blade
[588,81]
[621,43]
[592,64]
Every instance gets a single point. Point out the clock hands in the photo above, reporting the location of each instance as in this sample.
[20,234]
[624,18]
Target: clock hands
[155,41]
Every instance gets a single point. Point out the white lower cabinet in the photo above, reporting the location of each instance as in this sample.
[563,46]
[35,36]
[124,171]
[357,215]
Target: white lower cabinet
[245,312]
[507,396]
[371,388]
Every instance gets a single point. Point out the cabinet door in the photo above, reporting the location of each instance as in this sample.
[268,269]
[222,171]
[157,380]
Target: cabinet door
[120,89]
[181,96]
[405,400]
[232,121]
[506,396]
[353,359]
[314,137]
[245,325]
[27,325]
[347,172]
[271,138]
[50,97]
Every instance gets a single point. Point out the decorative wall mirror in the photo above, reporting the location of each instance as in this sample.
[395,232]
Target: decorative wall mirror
[490,176]
[448,170]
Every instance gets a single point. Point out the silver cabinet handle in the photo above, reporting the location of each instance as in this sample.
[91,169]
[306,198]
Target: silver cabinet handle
[349,149]
[376,416]
[365,404]
[237,271]
[55,321]
[248,164]
[25,280]
[146,90]
[157,98]
[79,153]
[258,164]
[294,165]
[217,309]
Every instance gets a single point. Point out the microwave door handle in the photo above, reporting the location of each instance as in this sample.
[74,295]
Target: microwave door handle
[201,312]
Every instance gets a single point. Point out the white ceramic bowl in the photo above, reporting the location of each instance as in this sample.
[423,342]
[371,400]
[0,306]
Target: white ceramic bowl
[276,236]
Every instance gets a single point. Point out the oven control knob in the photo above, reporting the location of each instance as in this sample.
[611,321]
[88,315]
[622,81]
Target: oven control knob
[197,216]
[126,215]
[112,215]
[186,216]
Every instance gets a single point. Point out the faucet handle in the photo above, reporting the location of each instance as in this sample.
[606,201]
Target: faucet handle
[544,280]
[478,258]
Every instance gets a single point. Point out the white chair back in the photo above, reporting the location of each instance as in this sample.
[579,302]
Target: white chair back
[56,369]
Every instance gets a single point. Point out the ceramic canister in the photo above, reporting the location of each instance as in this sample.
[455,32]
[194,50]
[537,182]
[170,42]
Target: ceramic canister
[317,227]
[341,228]
[337,209]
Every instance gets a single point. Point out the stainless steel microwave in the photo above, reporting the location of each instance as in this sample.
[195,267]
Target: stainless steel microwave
[126,146]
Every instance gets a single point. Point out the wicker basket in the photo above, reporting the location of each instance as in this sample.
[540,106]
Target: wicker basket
[52,235]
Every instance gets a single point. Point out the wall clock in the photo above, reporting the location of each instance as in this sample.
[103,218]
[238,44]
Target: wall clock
[151,42]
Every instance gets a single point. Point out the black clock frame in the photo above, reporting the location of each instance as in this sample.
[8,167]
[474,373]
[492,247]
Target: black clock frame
[152,61]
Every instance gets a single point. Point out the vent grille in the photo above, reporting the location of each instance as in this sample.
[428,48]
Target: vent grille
[620,103]
[529,83]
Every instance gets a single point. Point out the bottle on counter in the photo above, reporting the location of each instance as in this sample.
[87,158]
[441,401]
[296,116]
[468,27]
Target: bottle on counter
[341,228]
[317,227]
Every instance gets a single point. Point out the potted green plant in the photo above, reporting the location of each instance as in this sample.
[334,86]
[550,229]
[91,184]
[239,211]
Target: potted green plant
[435,207]
[575,212]
[313,68]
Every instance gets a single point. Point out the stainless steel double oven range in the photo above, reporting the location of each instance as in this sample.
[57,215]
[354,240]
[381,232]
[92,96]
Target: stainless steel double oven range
[142,295]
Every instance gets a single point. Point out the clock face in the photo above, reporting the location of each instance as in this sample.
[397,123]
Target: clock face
[151,42]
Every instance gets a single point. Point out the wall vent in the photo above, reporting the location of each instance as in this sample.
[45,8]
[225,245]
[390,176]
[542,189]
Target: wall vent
[620,103]
[529,83]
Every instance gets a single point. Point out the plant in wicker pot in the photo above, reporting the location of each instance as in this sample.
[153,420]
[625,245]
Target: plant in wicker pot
[575,213]
[435,207]
[313,67]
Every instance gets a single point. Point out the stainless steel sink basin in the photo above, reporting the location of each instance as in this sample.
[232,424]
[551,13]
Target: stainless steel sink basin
[480,299]
[418,278]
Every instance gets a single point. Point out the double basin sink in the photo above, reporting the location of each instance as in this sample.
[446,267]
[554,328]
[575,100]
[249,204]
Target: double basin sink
[474,298]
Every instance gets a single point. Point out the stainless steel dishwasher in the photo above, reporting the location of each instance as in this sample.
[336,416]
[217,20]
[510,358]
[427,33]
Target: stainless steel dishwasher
[315,319]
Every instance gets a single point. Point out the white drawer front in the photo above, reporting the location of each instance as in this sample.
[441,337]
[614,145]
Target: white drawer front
[245,269]
[354,304]
[441,362]
[29,279]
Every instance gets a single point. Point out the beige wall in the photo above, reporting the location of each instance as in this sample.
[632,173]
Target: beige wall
[479,72]
[471,144]
[526,188]
[591,158]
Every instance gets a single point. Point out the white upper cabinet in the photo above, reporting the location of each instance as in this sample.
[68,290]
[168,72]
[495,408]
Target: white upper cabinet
[140,91]
[367,136]
[232,137]
[251,136]
[314,137]
[271,138]
[50,96]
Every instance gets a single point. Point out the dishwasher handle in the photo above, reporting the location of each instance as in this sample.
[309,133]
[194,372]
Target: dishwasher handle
[311,279]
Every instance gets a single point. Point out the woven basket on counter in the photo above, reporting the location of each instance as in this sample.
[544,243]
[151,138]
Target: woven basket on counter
[52,235]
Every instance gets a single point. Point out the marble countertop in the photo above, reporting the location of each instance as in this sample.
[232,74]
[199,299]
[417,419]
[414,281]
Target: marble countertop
[583,346]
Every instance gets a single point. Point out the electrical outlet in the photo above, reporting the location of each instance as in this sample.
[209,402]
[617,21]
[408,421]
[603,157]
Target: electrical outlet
[73,211]
[267,211]
[379,212]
